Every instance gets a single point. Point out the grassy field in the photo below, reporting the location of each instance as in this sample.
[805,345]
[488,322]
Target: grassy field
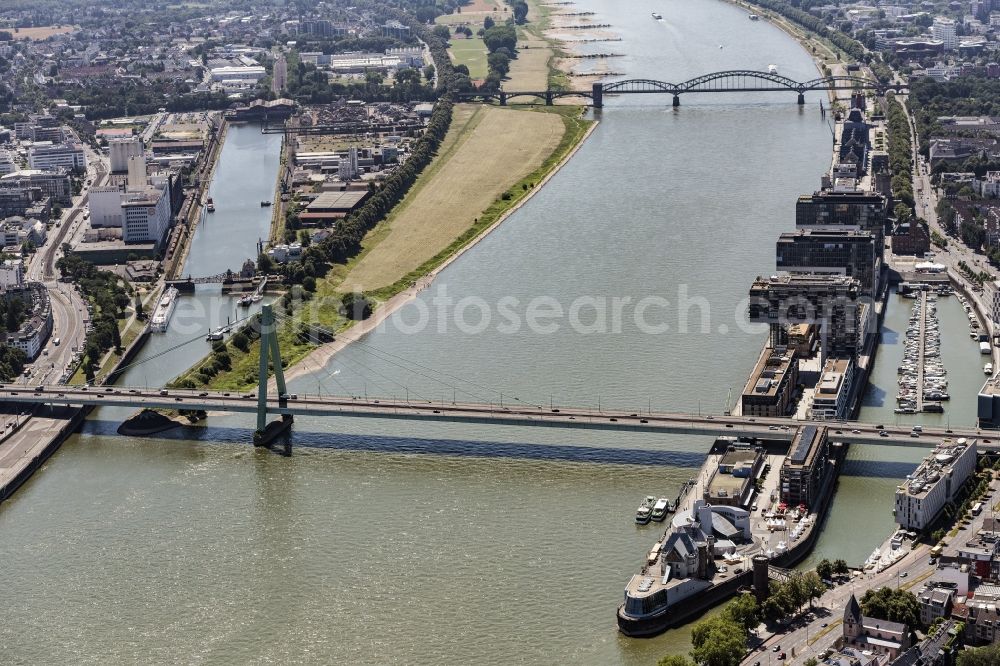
[532,68]
[472,54]
[474,13]
[487,150]
[42,32]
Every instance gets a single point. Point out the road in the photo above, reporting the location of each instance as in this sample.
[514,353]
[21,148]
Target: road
[809,637]
[909,574]
[69,313]
[511,413]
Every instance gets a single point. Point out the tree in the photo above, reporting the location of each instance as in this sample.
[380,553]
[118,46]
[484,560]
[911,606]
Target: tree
[442,32]
[240,341]
[902,213]
[498,62]
[984,656]
[812,587]
[743,611]
[893,605]
[264,263]
[138,307]
[500,36]
[355,306]
[488,23]
[718,642]
[811,661]
[674,660]
[824,569]
[840,567]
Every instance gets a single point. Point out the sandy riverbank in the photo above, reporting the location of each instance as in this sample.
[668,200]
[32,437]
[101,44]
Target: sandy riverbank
[320,356]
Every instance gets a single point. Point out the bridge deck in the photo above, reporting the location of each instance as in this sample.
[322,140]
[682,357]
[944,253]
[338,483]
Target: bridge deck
[517,414]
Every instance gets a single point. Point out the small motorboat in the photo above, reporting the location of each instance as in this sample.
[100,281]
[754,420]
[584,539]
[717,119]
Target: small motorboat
[658,17]
[245,301]
[660,509]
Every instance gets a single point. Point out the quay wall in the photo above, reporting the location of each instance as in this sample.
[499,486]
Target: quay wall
[76,417]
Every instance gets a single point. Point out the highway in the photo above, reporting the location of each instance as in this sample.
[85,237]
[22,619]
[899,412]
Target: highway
[519,414]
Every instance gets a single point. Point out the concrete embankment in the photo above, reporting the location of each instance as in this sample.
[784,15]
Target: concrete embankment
[24,452]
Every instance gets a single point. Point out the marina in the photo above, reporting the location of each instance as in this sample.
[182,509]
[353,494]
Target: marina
[923,382]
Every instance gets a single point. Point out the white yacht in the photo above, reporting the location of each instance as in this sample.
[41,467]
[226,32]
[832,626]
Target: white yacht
[988,369]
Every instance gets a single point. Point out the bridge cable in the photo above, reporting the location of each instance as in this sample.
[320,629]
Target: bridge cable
[364,348]
[199,336]
[406,388]
[375,351]
[282,318]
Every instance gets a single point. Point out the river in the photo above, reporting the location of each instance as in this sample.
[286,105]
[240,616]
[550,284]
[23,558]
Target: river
[391,543]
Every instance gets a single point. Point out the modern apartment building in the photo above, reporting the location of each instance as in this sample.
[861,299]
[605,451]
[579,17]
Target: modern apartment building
[934,483]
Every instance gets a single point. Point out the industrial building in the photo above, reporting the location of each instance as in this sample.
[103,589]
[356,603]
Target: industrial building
[120,150]
[935,482]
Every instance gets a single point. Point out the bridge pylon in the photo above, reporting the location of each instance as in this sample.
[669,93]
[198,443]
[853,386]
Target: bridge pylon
[597,92]
[270,353]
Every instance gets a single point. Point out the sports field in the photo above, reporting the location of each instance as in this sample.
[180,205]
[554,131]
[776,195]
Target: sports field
[487,150]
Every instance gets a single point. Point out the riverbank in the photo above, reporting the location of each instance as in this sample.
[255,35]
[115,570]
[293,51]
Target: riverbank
[412,265]
[320,356]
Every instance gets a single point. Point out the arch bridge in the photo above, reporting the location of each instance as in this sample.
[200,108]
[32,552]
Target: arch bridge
[730,81]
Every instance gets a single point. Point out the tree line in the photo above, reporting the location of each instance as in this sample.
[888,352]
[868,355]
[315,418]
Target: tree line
[110,299]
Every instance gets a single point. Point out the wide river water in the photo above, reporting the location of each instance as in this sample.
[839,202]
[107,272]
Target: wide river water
[393,543]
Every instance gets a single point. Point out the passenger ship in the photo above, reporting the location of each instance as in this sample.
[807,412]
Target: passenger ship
[164,309]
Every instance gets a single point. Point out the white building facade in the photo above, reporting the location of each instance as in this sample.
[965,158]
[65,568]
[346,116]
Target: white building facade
[145,215]
[120,150]
[934,483]
[50,156]
[944,29]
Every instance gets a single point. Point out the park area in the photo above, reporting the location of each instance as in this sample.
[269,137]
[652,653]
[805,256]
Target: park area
[488,150]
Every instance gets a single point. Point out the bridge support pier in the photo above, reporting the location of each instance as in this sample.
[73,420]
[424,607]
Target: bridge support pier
[548,98]
[802,98]
[677,101]
[503,98]
[270,355]
[598,95]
